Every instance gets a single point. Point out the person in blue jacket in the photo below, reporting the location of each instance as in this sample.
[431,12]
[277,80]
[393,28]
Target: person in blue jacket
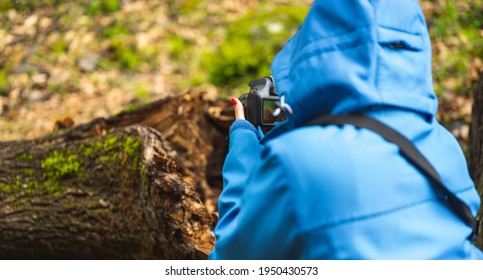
[340,192]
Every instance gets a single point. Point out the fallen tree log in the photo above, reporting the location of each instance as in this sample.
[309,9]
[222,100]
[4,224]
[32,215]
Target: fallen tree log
[476,148]
[139,185]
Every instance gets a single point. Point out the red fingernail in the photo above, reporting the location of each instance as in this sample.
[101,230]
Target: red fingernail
[233,101]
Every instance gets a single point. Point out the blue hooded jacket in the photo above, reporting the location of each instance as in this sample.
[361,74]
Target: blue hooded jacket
[343,192]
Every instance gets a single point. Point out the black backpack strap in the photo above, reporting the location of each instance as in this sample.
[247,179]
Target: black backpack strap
[411,153]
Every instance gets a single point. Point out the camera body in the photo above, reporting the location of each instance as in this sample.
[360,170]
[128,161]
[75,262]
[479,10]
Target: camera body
[260,103]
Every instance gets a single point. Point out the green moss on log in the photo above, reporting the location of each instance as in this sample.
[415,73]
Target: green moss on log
[111,147]
[57,168]
[131,146]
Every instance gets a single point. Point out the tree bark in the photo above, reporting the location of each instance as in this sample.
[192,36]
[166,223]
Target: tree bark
[139,185]
[476,148]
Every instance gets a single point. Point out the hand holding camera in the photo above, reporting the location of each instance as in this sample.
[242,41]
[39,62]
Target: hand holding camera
[259,106]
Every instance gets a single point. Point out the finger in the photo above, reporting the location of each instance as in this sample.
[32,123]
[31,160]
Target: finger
[239,113]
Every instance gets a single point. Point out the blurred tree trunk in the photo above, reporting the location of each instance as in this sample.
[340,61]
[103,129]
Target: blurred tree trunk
[476,147]
[139,185]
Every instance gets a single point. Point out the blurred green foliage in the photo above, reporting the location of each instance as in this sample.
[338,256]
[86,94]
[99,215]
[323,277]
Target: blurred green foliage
[4,82]
[176,46]
[59,46]
[104,6]
[250,45]
[27,6]
[56,88]
[237,49]
[92,7]
[5,69]
[124,51]
[459,27]
[116,30]
[125,54]
[5,5]
[182,7]
[141,92]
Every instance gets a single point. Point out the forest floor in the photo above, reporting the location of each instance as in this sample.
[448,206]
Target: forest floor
[79,60]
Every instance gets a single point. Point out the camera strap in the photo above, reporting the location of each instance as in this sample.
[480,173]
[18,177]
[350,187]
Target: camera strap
[412,154]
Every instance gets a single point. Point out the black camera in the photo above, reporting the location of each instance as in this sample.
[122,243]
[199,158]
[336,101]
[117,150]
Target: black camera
[260,103]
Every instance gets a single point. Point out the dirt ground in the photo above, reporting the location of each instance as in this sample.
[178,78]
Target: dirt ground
[57,65]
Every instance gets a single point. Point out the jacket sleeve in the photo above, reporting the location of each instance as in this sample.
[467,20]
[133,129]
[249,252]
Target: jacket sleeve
[257,217]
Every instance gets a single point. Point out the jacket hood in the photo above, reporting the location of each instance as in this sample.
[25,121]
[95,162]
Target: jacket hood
[350,56]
